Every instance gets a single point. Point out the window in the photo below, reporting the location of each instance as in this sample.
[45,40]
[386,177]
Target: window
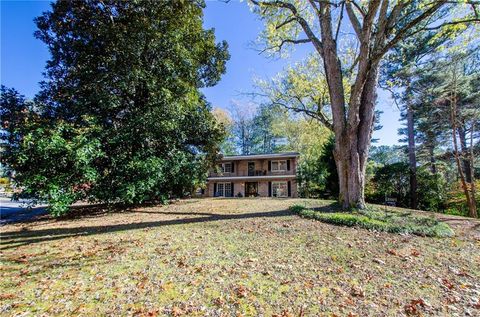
[279,189]
[220,191]
[278,166]
[225,167]
[224,189]
[228,190]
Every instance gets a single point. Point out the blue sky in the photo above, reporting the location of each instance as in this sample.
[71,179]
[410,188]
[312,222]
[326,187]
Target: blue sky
[23,57]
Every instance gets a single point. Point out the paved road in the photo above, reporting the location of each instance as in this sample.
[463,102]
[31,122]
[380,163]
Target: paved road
[15,211]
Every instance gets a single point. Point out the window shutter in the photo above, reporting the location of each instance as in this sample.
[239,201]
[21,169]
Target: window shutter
[269,166]
[288,165]
[289,189]
[269,187]
[232,194]
[233,167]
[214,189]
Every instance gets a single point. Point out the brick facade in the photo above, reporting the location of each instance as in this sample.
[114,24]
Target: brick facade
[259,170]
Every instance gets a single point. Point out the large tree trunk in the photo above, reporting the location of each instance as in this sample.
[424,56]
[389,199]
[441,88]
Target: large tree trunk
[353,144]
[462,136]
[412,160]
[433,161]
[472,175]
[469,195]
[351,174]
[430,144]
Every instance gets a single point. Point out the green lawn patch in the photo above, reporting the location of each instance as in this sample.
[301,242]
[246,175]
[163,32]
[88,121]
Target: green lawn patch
[380,220]
[232,257]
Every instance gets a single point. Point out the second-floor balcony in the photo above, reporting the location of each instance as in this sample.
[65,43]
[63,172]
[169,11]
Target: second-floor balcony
[250,173]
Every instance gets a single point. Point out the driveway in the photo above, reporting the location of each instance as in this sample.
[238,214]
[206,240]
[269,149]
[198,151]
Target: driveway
[15,211]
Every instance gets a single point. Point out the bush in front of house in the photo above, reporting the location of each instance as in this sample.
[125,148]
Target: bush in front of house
[379,220]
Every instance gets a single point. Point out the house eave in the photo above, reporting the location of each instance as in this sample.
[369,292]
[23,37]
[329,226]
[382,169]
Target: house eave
[260,156]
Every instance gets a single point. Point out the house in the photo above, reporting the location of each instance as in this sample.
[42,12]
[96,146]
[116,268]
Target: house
[260,175]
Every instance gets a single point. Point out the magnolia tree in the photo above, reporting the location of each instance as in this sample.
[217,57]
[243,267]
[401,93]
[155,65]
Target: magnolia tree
[350,39]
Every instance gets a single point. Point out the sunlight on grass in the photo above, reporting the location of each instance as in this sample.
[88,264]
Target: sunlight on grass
[229,257]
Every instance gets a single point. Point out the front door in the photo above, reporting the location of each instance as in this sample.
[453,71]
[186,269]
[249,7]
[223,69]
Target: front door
[251,189]
[251,168]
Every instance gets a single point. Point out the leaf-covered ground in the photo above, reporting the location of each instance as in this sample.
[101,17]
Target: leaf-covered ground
[233,257]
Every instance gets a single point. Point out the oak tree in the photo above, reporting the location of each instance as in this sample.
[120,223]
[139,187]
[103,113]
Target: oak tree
[351,38]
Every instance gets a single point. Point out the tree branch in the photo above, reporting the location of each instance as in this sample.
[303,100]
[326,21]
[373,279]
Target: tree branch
[339,21]
[452,23]
[404,31]
[303,23]
[354,20]
[300,41]
[287,21]
[316,115]
[359,8]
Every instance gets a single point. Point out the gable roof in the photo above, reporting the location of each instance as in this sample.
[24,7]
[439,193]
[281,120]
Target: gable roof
[260,156]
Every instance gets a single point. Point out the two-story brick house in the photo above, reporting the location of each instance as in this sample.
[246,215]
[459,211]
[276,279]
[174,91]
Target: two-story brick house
[261,175]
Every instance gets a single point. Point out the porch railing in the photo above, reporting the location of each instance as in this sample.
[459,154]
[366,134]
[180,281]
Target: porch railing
[251,173]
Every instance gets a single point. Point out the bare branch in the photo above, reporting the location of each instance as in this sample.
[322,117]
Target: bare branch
[284,41]
[359,8]
[320,116]
[287,21]
[395,12]
[382,25]
[303,23]
[452,23]
[354,20]
[402,33]
[339,21]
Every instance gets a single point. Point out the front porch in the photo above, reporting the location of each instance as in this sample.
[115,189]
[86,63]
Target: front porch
[281,187]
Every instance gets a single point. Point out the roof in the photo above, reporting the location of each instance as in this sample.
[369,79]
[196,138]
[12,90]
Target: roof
[260,156]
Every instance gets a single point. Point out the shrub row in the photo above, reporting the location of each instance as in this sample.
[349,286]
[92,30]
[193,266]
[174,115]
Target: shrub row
[393,222]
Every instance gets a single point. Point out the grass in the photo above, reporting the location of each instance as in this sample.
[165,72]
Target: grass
[232,257]
[380,220]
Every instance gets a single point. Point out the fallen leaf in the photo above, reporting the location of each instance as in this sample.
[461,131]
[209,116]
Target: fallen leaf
[177,311]
[415,253]
[241,291]
[7,296]
[357,291]
[392,252]
[414,307]
[448,284]
[284,313]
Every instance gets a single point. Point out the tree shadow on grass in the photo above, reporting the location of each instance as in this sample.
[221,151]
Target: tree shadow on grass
[25,237]
[332,207]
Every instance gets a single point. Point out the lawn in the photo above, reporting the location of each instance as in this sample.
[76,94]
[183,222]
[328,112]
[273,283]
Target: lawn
[233,257]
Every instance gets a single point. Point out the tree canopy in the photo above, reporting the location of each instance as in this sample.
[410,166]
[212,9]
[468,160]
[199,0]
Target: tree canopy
[120,117]
[350,39]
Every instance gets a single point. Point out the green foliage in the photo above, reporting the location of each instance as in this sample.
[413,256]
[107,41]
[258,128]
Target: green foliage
[384,154]
[378,220]
[120,118]
[317,173]
[456,203]
[392,180]
[55,163]
[432,190]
